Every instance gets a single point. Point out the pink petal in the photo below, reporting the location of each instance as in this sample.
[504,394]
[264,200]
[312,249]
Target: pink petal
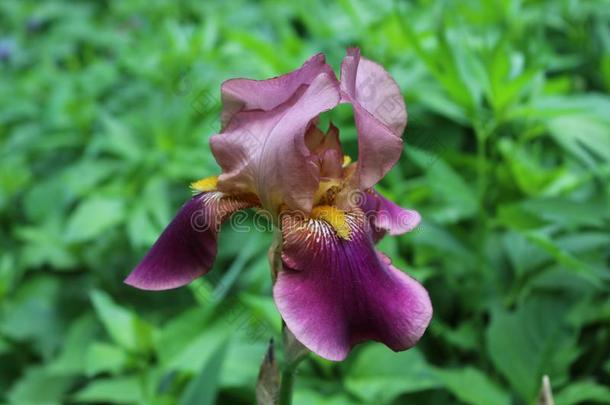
[335,293]
[380,114]
[328,150]
[245,94]
[264,152]
[187,247]
[385,216]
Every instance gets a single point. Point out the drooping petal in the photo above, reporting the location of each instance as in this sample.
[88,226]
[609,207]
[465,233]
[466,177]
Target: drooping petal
[334,293]
[264,152]
[187,247]
[386,216]
[246,94]
[380,114]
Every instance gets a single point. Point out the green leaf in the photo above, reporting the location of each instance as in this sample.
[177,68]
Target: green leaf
[36,299]
[583,392]
[441,239]
[142,231]
[527,170]
[104,358]
[123,390]
[264,314]
[582,269]
[472,386]
[70,360]
[5,347]
[591,104]
[92,217]
[312,397]
[380,375]
[44,244]
[83,176]
[579,123]
[241,365]
[464,336]
[532,341]
[203,388]
[458,197]
[38,387]
[119,139]
[585,138]
[515,216]
[523,255]
[567,212]
[468,66]
[123,326]
[202,347]
[178,333]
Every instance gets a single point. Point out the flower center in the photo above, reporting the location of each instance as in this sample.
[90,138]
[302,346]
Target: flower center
[335,218]
[205,184]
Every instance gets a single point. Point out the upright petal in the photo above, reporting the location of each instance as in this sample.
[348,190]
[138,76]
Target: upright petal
[386,216]
[187,247]
[380,114]
[264,152]
[328,150]
[246,94]
[335,293]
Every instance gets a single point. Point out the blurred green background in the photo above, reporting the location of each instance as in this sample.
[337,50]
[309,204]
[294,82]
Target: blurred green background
[106,109]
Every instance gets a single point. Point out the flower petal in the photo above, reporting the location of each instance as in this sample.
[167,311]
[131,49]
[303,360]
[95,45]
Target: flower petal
[335,293]
[386,216]
[246,94]
[328,150]
[187,247]
[380,114]
[264,152]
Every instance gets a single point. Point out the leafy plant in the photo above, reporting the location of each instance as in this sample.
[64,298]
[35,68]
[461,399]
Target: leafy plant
[105,113]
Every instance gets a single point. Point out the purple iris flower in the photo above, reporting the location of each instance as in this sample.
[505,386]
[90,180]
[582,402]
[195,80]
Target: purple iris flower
[332,288]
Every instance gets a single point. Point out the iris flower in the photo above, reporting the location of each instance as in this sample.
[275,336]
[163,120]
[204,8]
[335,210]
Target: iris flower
[332,288]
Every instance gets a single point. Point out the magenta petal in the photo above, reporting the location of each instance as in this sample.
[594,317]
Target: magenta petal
[264,152]
[245,94]
[380,114]
[386,216]
[335,293]
[187,247]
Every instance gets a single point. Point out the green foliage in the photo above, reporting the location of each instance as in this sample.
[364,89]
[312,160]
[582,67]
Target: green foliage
[203,388]
[377,374]
[106,109]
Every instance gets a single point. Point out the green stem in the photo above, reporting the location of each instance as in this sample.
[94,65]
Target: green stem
[287,384]
[481,166]
[294,353]
[481,226]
